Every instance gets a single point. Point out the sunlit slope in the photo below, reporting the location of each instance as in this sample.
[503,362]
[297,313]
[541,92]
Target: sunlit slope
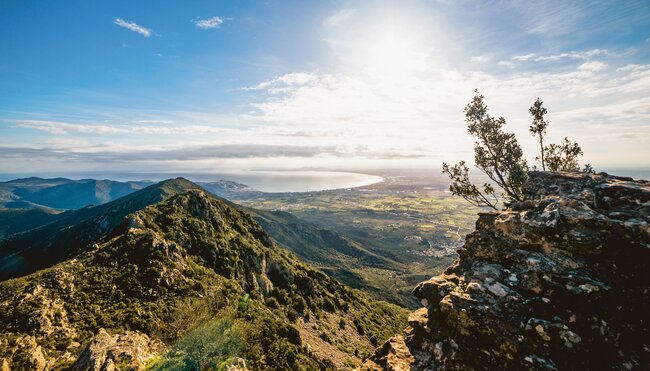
[185,267]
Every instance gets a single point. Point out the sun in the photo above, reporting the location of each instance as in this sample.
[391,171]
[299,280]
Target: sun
[391,52]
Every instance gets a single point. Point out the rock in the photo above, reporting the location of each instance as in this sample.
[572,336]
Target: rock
[557,281]
[393,356]
[25,353]
[419,318]
[129,350]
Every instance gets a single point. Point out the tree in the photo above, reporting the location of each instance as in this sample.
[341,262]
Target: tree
[555,157]
[496,153]
[563,157]
[538,127]
[588,169]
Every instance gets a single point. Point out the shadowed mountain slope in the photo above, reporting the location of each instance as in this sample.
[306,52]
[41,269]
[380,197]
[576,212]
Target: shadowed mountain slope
[69,232]
[14,221]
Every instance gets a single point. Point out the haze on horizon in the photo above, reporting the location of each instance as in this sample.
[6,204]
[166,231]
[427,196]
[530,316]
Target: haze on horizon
[165,86]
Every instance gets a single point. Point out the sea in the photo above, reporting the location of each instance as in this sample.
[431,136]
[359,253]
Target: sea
[260,180]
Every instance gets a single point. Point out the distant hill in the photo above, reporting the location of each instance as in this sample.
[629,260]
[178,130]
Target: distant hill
[190,282]
[62,193]
[66,194]
[228,189]
[41,246]
[36,245]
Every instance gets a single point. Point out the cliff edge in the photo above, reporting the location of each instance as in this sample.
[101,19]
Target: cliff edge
[558,281]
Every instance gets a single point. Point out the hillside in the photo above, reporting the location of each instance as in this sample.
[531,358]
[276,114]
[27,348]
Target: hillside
[558,281]
[14,221]
[335,254]
[188,282]
[75,230]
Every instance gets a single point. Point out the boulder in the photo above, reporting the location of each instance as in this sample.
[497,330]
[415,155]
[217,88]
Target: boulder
[130,350]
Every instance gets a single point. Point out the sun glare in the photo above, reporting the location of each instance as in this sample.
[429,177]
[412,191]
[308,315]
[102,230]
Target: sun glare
[391,50]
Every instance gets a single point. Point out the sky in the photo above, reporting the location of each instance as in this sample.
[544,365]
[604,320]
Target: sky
[217,85]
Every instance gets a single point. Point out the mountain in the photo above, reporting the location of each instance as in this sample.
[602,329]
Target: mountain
[41,245]
[20,220]
[62,193]
[29,203]
[557,281]
[190,282]
[74,230]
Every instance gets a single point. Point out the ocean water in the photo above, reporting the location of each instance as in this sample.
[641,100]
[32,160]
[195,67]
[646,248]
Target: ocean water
[266,181]
[633,172]
[292,181]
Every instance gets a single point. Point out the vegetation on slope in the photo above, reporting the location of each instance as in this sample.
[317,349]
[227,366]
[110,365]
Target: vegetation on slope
[182,271]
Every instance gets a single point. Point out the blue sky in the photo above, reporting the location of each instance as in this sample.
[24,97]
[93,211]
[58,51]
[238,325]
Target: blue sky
[214,85]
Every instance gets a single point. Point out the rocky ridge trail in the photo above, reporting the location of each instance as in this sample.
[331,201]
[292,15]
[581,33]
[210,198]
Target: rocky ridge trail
[558,281]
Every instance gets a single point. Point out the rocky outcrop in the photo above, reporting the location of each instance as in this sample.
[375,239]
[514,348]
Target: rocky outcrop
[24,351]
[128,351]
[558,281]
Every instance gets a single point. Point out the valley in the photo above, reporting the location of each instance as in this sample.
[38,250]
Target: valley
[383,238]
[174,272]
[409,220]
[195,281]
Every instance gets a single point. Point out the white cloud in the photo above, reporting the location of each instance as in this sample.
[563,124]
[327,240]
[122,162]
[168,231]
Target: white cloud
[146,32]
[209,23]
[283,83]
[524,57]
[481,58]
[338,17]
[572,55]
[59,128]
[426,111]
[163,128]
[594,66]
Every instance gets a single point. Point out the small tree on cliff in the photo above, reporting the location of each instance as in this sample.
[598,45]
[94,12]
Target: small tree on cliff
[496,153]
[555,157]
[538,128]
